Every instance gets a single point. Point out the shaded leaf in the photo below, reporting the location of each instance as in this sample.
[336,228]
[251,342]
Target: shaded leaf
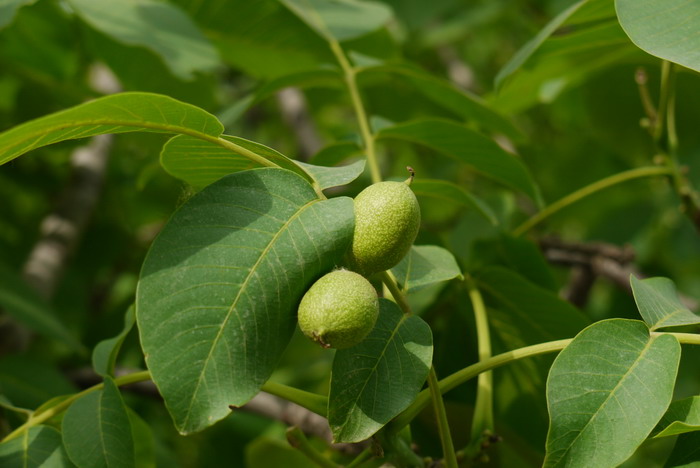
[199,162]
[377,379]
[144,445]
[686,452]
[118,113]
[336,153]
[158,26]
[659,304]
[668,29]
[265,451]
[527,313]
[469,147]
[462,103]
[21,302]
[328,177]
[40,446]
[451,192]
[606,391]
[29,382]
[425,265]
[8,10]
[681,417]
[321,77]
[105,353]
[340,19]
[219,286]
[582,40]
[96,430]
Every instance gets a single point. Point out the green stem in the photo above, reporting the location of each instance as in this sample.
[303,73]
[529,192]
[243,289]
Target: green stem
[463,375]
[298,440]
[589,190]
[62,406]
[483,409]
[351,81]
[448,449]
[666,86]
[224,143]
[358,460]
[390,282]
[311,401]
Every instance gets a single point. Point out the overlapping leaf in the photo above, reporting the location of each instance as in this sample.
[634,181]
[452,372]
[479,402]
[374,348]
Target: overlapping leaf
[39,447]
[199,162]
[443,93]
[681,417]
[425,265]
[119,113]
[469,147]
[96,430]
[159,26]
[659,304]
[668,29]
[216,297]
[606,391]
[377,379]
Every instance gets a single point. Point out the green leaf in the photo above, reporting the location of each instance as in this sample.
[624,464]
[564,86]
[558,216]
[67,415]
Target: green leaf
[527,313]
[328,177]
[265,451]
[271,40]
[97,431]
[19,301]
[336,153]
[659,304]
[29,382]
[681,417]
[469,147]
[321,77]
[606,391]
[462,103]
[377,379]
[39,447]
[425,265]
[118,113]
[8,10]
[686,452]
[144,445]
[158,26]
[582,40]
[216,298]
[105,353]
[199,162]
[453,193]
[340,19]
[667,29]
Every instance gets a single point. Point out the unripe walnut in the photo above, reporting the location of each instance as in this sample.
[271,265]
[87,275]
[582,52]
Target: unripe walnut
[387,219]
[339,310]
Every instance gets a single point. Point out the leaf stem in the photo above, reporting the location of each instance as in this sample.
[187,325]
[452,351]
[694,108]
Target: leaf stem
[390,282]
[448,448]
[597,186]
[483,409]
[351,81]
[36,419]
[311,401]
[298,440]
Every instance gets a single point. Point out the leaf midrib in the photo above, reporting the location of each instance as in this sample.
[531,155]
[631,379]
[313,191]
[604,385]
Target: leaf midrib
[232,308]
[629,372]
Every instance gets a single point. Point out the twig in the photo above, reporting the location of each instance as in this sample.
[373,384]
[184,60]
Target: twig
[295,114]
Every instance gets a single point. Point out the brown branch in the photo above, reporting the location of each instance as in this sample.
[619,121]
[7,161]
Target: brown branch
[295,114]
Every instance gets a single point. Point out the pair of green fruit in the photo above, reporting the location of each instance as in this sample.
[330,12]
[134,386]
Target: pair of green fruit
[341,308]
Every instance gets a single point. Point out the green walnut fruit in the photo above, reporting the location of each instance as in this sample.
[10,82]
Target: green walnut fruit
[387,218]
[339,310]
